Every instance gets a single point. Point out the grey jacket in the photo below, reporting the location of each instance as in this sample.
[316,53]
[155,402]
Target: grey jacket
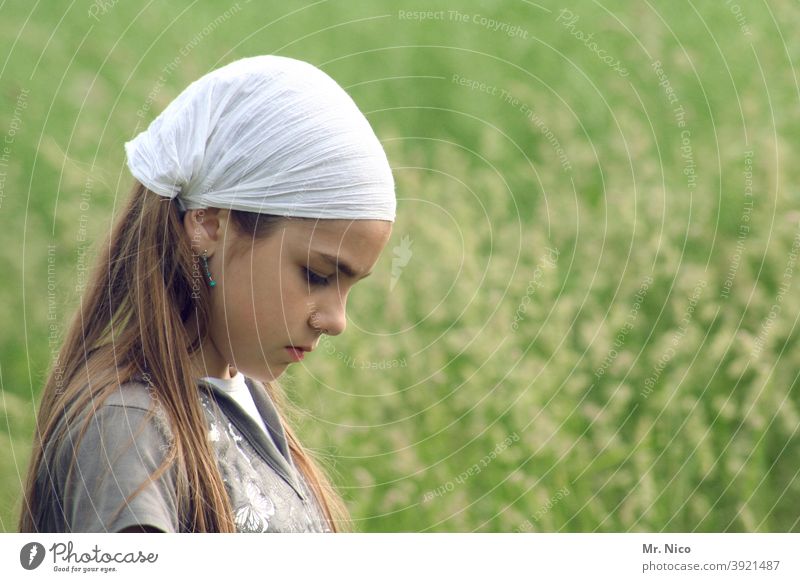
[120,449]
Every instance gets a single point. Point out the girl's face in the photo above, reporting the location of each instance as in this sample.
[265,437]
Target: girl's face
[285,290]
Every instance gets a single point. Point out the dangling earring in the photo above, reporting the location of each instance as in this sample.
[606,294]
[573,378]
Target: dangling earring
[211,282]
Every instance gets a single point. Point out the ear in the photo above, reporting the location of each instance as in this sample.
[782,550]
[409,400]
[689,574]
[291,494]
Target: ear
[205,228]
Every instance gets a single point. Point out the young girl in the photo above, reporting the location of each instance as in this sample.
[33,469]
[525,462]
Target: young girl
[261,197]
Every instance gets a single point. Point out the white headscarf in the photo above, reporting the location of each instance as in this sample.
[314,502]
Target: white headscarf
[266,134]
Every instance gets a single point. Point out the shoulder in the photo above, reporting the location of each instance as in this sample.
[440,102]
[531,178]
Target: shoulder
[130,406]
[133,394]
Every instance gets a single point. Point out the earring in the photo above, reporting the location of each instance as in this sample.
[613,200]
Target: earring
[211,282]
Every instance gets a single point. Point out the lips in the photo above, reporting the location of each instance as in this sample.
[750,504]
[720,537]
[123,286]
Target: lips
[303,348]
[297,353]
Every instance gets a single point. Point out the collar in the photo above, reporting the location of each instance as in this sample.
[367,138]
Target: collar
[274,451]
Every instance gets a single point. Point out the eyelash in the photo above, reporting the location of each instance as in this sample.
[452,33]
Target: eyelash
[315,279]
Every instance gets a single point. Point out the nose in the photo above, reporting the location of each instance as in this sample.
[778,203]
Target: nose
[330,317]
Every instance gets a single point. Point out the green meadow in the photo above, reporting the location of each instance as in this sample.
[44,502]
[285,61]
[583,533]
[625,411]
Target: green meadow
[586,318]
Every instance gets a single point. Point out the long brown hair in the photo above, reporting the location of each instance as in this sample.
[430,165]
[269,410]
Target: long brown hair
[131,325]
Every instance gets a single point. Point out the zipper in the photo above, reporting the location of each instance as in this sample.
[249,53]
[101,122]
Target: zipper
[249,428]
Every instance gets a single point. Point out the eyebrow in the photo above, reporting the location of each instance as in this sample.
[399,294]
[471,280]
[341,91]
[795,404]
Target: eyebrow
[341,266]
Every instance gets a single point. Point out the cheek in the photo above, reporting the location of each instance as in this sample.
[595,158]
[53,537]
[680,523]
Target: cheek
[233,313]
[275,302]
[261,308]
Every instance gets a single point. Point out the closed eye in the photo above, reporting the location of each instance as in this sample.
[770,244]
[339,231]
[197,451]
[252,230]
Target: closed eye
[315,279]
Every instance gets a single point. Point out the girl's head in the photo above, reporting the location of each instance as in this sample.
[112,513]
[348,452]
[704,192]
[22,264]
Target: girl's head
[279,283]
[268,168]
[280,140]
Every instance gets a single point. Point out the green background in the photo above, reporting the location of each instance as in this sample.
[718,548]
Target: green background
[645,379]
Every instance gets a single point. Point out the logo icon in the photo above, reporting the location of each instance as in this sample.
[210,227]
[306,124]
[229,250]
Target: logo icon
[402,255]
[31,555]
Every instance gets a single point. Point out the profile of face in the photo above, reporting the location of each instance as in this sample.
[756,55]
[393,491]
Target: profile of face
[284,290]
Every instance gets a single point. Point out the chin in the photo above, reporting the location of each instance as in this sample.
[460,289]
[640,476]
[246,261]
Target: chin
[267,376]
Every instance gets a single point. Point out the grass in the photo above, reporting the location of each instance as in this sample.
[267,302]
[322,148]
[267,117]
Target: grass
[710,446]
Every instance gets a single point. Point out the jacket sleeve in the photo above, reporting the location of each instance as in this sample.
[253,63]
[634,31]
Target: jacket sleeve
[121,449]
